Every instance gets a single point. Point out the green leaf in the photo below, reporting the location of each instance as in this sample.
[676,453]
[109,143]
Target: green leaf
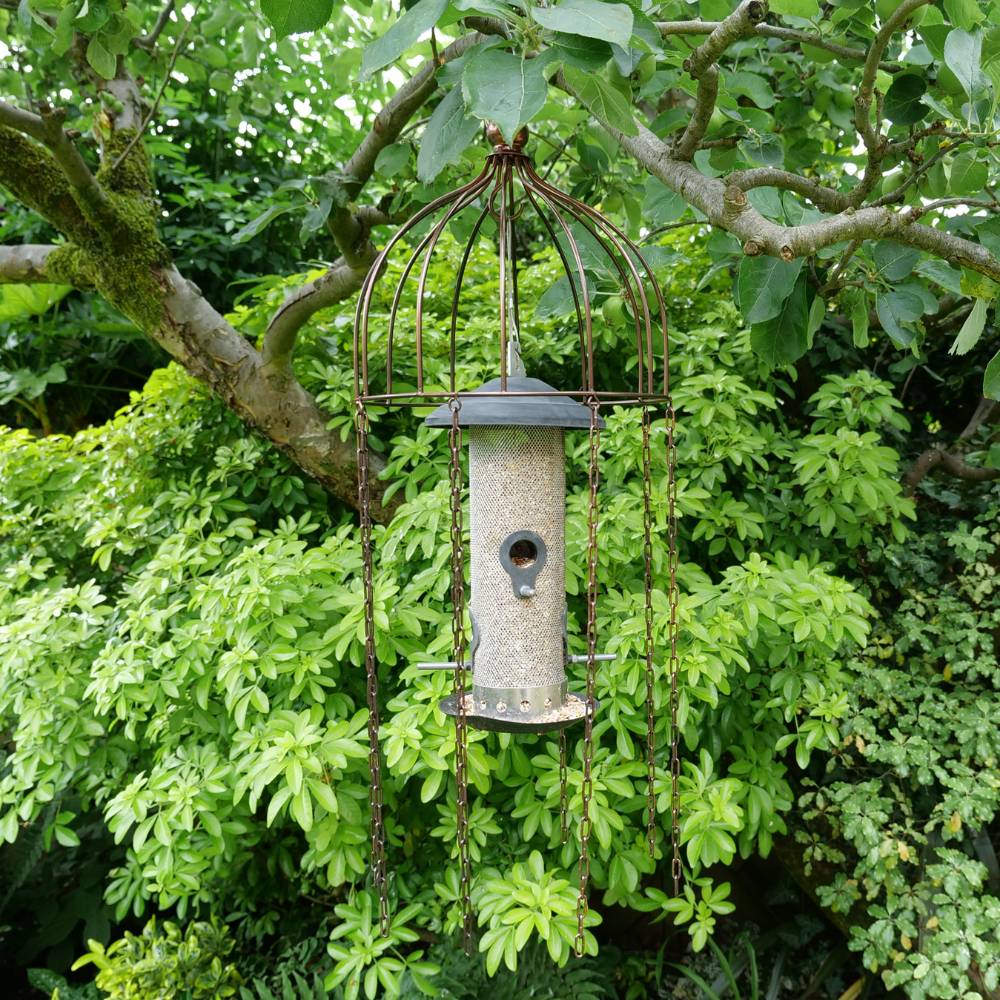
[610,22]
[783,339]
[387,48]
[895,308]
[21,301]
[859,320]
[291,17]
[991,378]
[504,88]
[602,99]
[255,226]
[65,30]
[962,55]
[446,136]
[964,13]
[661,205]
[903,104]
[796,8]
[972,329]
[968,173]
[101,59]
[750,85]
[393,159]
[583,53]
[763,285]
[893,260]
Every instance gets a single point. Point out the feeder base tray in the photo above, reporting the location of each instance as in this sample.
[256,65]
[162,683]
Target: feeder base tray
[573,709]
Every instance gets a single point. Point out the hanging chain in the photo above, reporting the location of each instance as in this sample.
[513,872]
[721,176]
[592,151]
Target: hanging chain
[647,559]
[461,717]
[673,599]
[374,754]
[587,788]
[563,804]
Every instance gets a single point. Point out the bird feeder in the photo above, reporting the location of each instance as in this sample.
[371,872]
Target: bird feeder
[515,425]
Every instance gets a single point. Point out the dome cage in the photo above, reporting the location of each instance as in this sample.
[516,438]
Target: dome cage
[517,650]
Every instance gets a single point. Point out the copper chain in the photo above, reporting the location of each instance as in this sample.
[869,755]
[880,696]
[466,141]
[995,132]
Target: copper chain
[377,829]
[461,719]
[563,803]
[587,788]
[647,560]
[673,598]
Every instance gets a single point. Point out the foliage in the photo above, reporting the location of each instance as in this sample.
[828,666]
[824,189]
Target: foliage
[166,963]
[906,809]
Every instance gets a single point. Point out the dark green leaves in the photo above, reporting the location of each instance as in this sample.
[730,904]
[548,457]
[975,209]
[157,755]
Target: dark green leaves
[610,22]
[598,94]
[390,46]
[661,205]
[290,17]
[583,53]
[258,225]
[783,339]
[991,379]
[896,307]
[447,134]
[763,285]
[902,102]
[503,88]
[893,260]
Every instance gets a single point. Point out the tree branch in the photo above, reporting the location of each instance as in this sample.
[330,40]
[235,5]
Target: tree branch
[25,264]
[148,42]
[822,197]
[704,104]
[350,229]
[739,24]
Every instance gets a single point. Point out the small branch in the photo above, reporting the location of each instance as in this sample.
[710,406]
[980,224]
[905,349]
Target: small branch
[148,42]
[838,270]
[739,24]
[822,197]
[704,104]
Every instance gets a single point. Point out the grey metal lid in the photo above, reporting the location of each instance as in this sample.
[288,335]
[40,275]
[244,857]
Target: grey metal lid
[513,410]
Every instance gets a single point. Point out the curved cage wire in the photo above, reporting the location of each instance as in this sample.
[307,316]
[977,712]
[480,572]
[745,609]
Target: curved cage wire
[507,186]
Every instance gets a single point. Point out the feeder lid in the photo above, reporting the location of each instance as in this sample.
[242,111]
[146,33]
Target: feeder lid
[514,410]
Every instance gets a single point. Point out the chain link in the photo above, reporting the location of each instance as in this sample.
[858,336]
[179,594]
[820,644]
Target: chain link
[461,717]
[587,788]
[377,830]
[673,599]
[647,559]
[563,803]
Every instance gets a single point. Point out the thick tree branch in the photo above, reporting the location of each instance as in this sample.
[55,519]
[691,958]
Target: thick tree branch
[350,229]
[739,24]
[148,42]
[47,128]
[704,104]
[822,197]
[25,264]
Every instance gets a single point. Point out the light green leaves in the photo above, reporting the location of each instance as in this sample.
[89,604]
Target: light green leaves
[796,8]
[610,22]
[991,378]
[763,284]
[505,89]
[969,173]
[608,104]
[963,55]
[290,17]
[661,205]
[387,48]
[447,134]
[101,59]
[972,329]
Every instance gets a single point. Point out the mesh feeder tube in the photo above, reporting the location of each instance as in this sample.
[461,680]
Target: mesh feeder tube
[517,511]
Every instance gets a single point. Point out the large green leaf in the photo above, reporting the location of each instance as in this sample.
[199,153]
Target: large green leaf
[783,339]
[991,378]
[763,285]
[604,101]
[893,260]
[797,8]
[963,54]
[972,329]
[447,134]
[504,88]
[583,53]
[291,17]
[610,22]
[22,301]
[661,205]
[968,173]
[387,48]
[896,307]
[903,104]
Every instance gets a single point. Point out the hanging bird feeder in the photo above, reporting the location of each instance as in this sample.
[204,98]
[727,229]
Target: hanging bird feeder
[518,650]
